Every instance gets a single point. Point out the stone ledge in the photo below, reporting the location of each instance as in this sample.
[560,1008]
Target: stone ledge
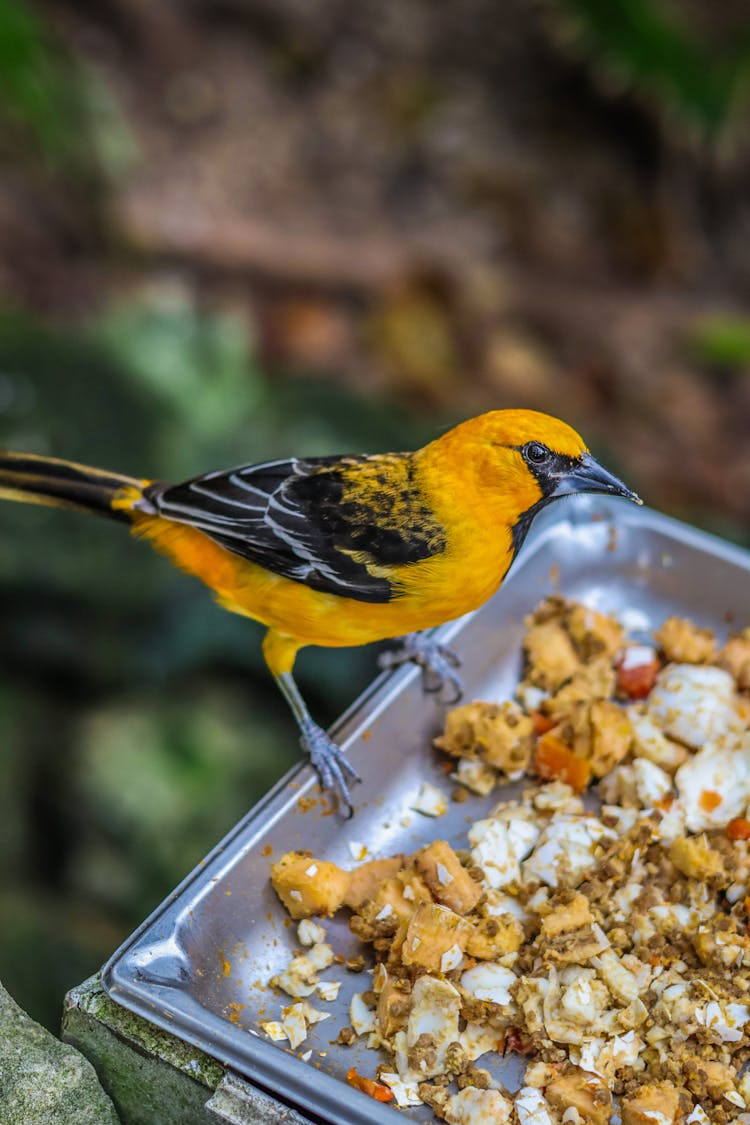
[44,1081]
[153,1076]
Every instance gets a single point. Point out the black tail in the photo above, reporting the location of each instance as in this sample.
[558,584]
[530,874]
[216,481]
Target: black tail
[62,484]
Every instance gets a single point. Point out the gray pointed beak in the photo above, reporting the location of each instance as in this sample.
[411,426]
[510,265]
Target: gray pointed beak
[589,476]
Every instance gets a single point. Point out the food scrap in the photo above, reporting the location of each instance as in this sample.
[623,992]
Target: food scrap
[374,1090]
[595,925]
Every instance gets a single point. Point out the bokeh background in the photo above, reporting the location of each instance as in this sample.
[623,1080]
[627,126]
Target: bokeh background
[239,229]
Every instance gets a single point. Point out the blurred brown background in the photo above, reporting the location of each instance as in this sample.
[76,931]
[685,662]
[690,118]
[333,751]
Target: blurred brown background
[237,229]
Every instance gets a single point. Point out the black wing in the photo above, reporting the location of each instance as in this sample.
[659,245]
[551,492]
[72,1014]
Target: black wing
[331,523]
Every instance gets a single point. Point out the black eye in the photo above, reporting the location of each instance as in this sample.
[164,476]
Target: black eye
[536,453]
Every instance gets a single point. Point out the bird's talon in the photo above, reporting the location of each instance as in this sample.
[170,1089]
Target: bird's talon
[437,661]
[330,764]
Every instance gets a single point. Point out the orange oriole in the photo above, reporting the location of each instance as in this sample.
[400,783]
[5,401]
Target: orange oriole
[344,550]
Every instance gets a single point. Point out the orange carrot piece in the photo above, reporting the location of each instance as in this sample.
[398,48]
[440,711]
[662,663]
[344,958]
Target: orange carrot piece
[374,1090]
[637,682]
[739,828]
[542,723]
[709,800]
[554,761]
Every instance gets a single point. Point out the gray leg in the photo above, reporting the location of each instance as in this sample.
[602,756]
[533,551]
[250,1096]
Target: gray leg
[438,662]
[326,757]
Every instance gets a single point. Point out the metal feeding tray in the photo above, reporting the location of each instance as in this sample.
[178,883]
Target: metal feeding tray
[199,965]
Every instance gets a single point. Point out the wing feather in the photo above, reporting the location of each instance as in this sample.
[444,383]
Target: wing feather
[332,523]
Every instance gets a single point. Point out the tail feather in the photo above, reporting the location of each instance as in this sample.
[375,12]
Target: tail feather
[63,484]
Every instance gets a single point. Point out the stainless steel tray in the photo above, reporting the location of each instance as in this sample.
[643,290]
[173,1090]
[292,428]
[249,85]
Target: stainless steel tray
[198,966]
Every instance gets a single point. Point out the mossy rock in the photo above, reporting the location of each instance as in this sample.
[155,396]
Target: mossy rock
[44,1081]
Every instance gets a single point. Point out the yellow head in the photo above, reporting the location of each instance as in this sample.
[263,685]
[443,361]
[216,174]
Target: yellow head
[517,461]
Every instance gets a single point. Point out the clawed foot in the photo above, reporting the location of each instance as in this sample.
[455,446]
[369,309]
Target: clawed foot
[437,661]
[330,764]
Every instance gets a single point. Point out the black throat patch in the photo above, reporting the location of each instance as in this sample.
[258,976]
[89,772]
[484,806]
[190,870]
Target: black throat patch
[548,477]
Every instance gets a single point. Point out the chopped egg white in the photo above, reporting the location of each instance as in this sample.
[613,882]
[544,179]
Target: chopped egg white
[404,1090]
[531,1108]
[726,1021]
[578,1002]
[621,982]
[300,976]
[328,989]
[361,1018]
[476,776]
[649,741]
[473,1106]
[499,903]
[652,783]
[489,981]
[694,703]
[310,932]
[430,801]
[500,842]
[566,846]
[530,696]
[297,1018]
[444,876]
[435,1008]
[557,796]
[478,1038]
[635,620]
[635,656]
[451,959]
[724,772]
[493,852]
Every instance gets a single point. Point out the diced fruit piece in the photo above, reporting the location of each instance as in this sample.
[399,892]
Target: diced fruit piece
[542,723]
[365,880]
[432,932]
[636,680]
[658,1102]
[449,882]
[554,761]
[584,1092]
[393,1007]
[308,886]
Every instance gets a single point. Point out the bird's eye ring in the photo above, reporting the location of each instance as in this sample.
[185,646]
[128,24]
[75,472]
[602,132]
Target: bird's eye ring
[536,453]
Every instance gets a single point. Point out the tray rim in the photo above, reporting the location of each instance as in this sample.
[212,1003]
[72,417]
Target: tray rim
[323,1095]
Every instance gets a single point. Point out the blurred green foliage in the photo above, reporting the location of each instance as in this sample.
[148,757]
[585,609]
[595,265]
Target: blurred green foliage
[56,102]
[723,342]
[36,83]
[650,45]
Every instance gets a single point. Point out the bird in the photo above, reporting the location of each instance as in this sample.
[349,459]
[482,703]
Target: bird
[339,551]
